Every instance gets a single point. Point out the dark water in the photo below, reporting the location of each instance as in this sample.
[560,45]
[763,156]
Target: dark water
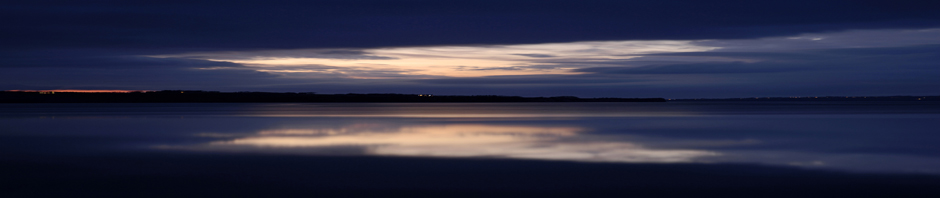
[472,149]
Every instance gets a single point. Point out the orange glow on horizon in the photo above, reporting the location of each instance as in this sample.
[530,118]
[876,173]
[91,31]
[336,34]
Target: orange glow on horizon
[80,91]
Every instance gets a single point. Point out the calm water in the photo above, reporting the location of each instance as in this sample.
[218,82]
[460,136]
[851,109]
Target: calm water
[887,137]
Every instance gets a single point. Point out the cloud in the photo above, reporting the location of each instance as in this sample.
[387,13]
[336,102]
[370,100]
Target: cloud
[697,68]
[610,57]
[103,70]
[847,71]
[536,55]
[526,79]
[521,47]
[846,39]
[450,61]
[108,61]
[892,59]
[471,68]
[341,54]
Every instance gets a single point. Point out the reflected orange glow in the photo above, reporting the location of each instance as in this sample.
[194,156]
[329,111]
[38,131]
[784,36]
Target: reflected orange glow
[461,140]
[80,91]
[436,129]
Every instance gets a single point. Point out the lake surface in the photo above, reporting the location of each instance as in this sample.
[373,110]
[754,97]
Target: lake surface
[846,137]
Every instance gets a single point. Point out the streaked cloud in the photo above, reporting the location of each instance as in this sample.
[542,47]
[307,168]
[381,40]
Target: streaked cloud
[857,62]
[446,61]
[575,58]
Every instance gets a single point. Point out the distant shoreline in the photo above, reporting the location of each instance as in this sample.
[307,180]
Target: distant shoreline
[184,96]
[821,98]
[197,96]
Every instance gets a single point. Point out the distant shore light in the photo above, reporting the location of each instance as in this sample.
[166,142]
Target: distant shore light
[78,91]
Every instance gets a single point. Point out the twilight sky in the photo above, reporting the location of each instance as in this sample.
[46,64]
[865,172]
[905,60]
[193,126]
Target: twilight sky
[637,48]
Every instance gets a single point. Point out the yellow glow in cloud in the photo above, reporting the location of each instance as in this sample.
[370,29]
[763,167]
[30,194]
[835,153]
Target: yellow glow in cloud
[457,61]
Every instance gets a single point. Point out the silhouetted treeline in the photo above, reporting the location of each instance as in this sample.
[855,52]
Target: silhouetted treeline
[823,98]
[187,96]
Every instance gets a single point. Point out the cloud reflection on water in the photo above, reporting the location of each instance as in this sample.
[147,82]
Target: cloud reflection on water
[456,140]
[856,136]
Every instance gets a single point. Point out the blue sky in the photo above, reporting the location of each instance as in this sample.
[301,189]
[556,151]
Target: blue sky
[668,48]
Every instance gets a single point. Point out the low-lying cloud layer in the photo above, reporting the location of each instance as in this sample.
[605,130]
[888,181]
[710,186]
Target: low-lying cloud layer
[535,48]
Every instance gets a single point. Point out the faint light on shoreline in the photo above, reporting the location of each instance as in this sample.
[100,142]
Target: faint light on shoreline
[81,91]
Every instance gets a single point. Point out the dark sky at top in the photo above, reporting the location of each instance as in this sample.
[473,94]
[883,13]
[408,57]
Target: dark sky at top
[757,47]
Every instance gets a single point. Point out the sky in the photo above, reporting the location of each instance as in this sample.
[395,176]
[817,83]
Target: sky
[661,48]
